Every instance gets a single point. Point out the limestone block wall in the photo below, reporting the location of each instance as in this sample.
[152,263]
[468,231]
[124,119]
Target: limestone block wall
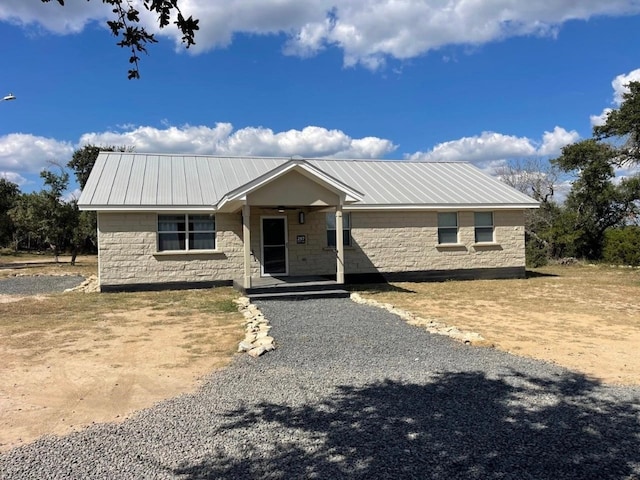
[408,241]
[382,242]
[128,252]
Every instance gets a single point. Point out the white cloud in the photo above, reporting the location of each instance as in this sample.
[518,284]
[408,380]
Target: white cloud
[620,87]
[311,141]
[367,31]
[13,177]
[490,150]
[23,156]
[552,142]
[188,139]
[72,18]
[25,153]
[73,195]
[597,120]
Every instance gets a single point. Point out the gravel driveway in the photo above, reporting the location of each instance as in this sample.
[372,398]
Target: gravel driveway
[354,392]
[38,284]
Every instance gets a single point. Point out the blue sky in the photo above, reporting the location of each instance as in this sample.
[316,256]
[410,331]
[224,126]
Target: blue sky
[481,81]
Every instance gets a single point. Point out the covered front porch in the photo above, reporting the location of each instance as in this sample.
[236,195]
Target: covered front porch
[292,223]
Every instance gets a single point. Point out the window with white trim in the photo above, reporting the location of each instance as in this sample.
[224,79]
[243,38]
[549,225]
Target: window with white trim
[186,232]
[483,222]
[331,229]
[447,228]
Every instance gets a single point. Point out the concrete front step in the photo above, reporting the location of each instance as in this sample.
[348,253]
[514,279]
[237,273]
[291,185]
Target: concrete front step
[277,294]
[294,287]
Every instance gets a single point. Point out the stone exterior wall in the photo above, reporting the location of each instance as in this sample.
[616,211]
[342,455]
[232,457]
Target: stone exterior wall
[382,242]
[128,252]
[408,241]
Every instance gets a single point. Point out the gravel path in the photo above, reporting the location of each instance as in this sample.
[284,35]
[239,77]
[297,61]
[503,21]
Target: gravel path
[38,284]
[354,392]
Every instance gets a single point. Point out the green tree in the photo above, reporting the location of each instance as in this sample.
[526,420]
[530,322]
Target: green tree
[622,246]
[60,218]
[595,203]
[624,124]
[9,194]
[83,160]
[125,26]
[44,218]
[29,229]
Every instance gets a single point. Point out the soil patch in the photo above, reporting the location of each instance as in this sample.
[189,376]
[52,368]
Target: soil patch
[586,318]
[68,360]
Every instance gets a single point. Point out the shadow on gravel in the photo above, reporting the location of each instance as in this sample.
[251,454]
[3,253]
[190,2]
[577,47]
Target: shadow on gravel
[462,425]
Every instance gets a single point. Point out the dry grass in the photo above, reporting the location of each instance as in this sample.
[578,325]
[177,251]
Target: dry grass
[70,359]
[583,317]
[44,264]
[36,327]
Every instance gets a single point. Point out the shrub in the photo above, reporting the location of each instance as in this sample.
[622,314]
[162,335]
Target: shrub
[536,254]
[622,246]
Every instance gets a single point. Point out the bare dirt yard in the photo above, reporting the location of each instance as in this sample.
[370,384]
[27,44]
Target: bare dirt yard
[71,359]
[586,318]
[68,360]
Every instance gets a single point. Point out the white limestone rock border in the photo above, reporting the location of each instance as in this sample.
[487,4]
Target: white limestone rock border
[257,340]
[90,285]
[432,326]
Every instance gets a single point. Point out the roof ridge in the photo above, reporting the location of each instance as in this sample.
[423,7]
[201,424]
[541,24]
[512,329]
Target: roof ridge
[292,157]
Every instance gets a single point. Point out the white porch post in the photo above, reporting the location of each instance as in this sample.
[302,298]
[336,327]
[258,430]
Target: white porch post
[246,240]
[339,245]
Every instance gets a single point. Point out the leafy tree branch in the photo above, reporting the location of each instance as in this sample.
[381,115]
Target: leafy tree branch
[125,26]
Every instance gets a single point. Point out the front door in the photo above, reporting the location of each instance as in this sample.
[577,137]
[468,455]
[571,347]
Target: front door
[274,246]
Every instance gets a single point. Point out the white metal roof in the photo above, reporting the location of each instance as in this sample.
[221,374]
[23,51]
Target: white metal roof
[140,181]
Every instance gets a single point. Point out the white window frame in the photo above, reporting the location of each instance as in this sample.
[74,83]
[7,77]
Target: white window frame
[346,227]
[483,228]
[186,232]
[449,228]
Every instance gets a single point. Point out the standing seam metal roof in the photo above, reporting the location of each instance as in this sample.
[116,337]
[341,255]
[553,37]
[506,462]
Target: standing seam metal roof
[138,180]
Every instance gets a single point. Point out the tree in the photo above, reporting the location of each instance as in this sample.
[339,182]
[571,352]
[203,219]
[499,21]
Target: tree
[622,246]
[83,160]
[532,176]
[624,123]
[44,218]
[26,216]
[536,178]
[9,194]
[59,218]
[126,26]
[595,203]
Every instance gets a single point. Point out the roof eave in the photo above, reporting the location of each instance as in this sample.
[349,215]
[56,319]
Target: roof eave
[445,206]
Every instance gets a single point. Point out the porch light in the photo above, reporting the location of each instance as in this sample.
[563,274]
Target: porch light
[6,98]
[280,209]
[301,217]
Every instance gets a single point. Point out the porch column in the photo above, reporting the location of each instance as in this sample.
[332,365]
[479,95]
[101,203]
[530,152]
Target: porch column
[246,240]
[339,245]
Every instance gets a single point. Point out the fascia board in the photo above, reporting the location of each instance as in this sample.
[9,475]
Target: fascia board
[147,208]
[448,206]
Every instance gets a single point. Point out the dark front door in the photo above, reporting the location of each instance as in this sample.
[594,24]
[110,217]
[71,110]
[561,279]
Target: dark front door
[274,246]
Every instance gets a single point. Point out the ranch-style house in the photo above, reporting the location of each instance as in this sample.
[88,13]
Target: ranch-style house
[169,220]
